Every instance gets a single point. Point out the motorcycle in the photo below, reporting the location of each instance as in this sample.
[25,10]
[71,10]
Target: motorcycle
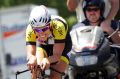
[90,53]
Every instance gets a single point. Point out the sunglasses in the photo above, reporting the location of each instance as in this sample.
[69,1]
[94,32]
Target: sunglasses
[92,9]
[39,30]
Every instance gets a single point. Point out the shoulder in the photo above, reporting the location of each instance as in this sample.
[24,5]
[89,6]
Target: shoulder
[58,22]
[59,27]
[30,35]
[56,17]
[29,28]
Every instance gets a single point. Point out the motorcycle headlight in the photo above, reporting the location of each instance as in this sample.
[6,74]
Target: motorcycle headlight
[86,60]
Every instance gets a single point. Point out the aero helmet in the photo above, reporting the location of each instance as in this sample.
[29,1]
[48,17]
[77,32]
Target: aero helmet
[39,16]
[98,3]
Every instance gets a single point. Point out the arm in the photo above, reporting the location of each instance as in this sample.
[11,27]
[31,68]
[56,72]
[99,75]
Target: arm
[30,51]
[30,45]
[32,61]
[59,32]
[57,52]
[114,9]
[72,4]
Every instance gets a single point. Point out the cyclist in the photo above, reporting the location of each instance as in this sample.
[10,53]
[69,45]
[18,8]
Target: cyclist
[45,42]
[94,11]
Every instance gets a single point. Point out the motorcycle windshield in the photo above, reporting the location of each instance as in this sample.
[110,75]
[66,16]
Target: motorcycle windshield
[86,38]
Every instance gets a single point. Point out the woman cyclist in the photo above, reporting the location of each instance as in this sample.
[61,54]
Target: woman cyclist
[45,42]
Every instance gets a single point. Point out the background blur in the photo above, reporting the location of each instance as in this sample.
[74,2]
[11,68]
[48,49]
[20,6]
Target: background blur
[14,15]
[60,5]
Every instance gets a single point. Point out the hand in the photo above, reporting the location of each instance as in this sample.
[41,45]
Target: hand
[32,65]
[45,64]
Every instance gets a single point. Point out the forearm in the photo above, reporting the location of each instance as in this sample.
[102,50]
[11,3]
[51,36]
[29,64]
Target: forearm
[114,9]
[54,59]
[116,38]
[57,52]
[72,4]
[39,55]
[31,51]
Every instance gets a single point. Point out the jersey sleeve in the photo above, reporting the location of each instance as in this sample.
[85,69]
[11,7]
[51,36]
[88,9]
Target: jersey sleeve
[59,29]
[30,36]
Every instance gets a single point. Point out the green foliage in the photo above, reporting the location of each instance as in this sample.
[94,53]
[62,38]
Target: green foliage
[59,4]
[72,20]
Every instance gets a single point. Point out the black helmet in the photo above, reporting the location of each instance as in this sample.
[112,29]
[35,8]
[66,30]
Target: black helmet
[98,3]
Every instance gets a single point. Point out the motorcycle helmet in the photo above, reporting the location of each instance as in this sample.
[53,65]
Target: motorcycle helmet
[98,3]
[39,16]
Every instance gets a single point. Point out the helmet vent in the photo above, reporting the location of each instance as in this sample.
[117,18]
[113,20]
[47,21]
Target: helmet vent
[46,20]
[32,23]
[35,20]
[43,20]
[40,19]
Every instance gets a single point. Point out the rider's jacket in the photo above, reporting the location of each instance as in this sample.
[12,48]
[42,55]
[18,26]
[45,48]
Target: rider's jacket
[58,27]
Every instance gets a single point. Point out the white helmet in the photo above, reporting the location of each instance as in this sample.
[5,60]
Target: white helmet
[39,16]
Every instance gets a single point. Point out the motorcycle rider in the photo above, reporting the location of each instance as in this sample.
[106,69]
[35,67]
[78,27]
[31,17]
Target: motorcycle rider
[93,11]
[111,9]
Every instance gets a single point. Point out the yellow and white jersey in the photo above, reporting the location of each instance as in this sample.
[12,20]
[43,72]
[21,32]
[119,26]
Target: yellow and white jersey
[58,28]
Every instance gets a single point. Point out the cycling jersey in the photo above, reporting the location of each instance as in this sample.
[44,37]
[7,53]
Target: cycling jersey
[59,30]
[58,27]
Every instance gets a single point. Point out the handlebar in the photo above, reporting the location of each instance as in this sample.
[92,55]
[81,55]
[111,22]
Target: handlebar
[20,72]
